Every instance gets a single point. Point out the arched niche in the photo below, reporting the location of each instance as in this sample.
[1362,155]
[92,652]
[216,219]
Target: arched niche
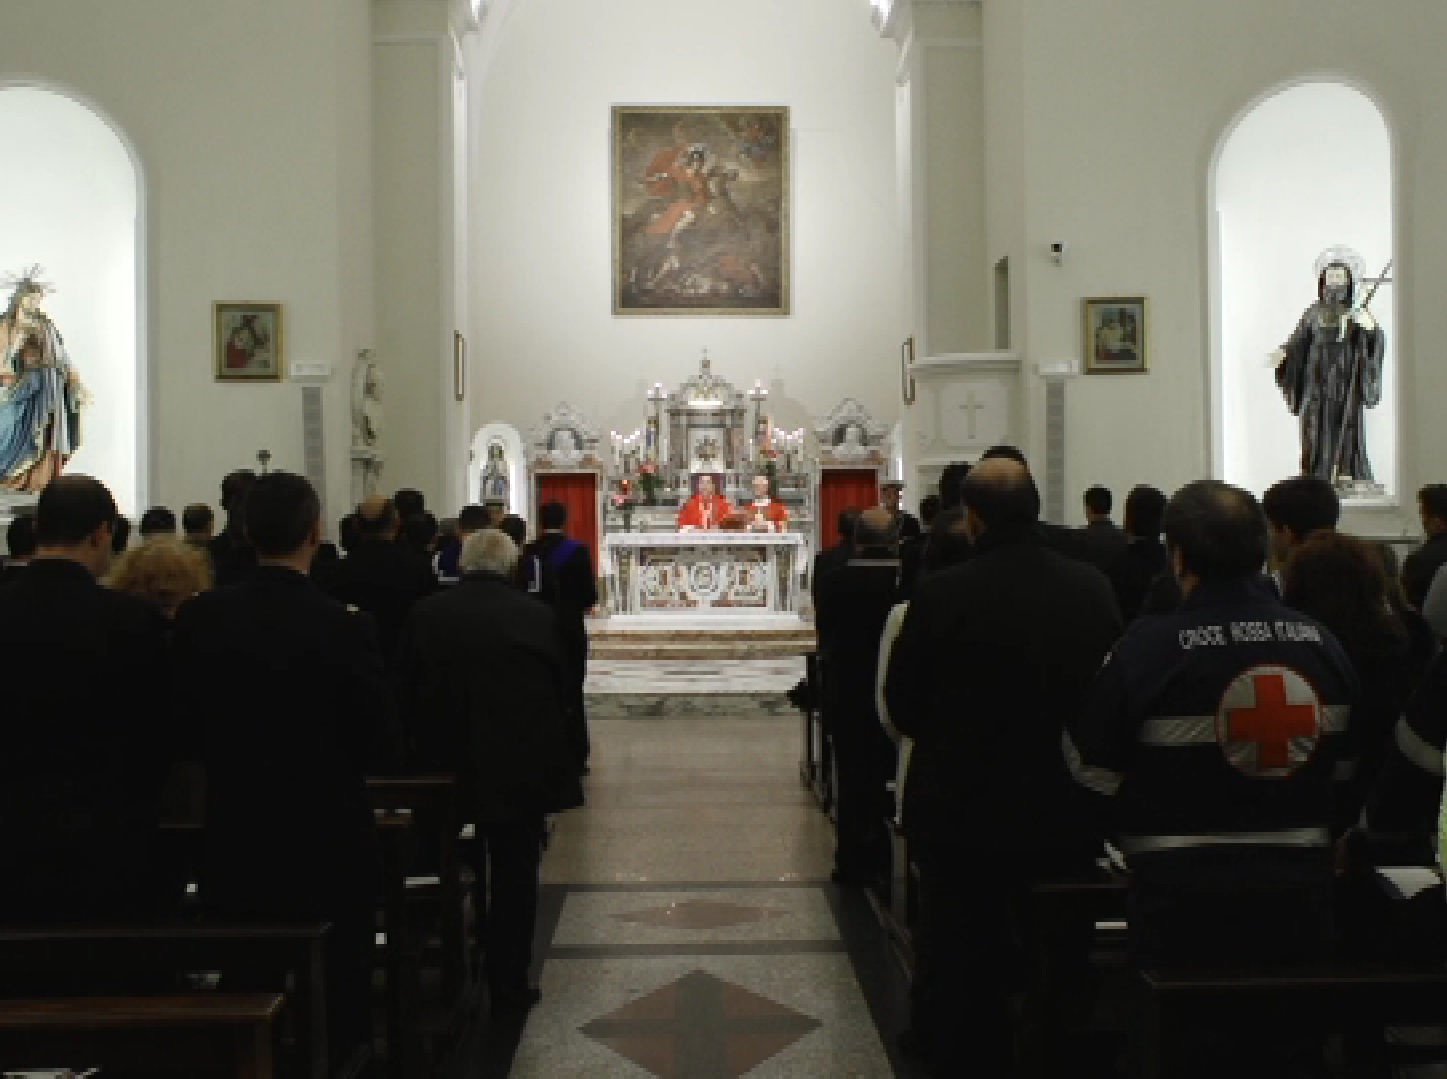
[517,472]
[71,201]
[1306,168]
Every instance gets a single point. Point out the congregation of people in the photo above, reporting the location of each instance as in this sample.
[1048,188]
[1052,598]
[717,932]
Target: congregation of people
[1241,704]
[271,676]
[1239,708]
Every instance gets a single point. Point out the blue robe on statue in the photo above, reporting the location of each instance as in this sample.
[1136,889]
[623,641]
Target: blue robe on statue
[40,409]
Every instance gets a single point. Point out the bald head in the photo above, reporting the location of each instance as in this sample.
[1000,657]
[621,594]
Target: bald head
[1001,498]
[875,528]
[377,518]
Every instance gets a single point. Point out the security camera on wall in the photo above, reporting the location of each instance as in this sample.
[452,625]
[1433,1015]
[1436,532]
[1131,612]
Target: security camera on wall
[1057,251]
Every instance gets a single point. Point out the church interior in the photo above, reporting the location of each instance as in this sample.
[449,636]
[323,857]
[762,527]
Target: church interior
[739,585]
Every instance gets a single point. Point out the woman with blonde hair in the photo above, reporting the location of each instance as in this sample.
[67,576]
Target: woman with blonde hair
[163,570]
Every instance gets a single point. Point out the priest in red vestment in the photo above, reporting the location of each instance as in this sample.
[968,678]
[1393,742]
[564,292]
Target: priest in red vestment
[705,509]
[765,513]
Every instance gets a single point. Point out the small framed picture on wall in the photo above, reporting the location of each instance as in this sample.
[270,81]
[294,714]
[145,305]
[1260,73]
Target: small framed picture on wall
[248,342]
[1115,335]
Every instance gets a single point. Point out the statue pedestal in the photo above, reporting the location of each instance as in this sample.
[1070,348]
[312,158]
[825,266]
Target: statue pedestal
[366,473]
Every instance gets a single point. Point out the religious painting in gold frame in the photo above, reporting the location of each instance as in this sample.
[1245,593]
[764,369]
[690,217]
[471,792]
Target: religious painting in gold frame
[701,210]
[1115,335]
[248,342]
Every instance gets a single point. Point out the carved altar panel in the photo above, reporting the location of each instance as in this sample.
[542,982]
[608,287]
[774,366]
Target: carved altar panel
[564,439]
[708,573]
[850,436]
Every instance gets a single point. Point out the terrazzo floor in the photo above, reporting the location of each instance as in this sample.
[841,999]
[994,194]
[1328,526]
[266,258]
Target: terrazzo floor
[687,928]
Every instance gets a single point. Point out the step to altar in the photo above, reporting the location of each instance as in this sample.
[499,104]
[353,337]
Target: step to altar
[674,688]
[697,638]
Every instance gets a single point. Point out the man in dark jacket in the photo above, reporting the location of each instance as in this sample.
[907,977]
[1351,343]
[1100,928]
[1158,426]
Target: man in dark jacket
[1215,737]
[296,695]
[379,576]
[559,571]
[232,557]
[853,603]
[1144,557]
[1101,542]
[1422,564]
[992,659]
[485,681]
[831,558]
[79,785]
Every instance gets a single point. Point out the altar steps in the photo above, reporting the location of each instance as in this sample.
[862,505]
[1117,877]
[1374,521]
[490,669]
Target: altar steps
[711,645]
[695,688]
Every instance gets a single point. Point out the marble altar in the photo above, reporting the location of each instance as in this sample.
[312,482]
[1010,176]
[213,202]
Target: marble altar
[713,574]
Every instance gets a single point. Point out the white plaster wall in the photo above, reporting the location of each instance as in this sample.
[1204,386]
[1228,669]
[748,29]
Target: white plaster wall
[543,328]
[249,121]
[72,208]
[1124,104]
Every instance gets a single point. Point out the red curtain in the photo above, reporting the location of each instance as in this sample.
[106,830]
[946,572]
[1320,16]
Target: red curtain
[578,491]
[841,489]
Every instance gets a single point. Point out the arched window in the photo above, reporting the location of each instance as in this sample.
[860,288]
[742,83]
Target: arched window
[1306,169]
[69,202]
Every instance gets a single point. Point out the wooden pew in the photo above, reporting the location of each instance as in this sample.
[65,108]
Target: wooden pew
[149,958]
[399,951]
[1325,999]
[432,802]
[1056,905]
[192,1036]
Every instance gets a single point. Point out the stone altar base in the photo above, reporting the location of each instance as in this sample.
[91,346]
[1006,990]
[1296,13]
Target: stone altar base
[693,688]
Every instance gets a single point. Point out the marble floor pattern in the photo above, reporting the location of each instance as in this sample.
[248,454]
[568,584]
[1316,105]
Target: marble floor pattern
[687,928]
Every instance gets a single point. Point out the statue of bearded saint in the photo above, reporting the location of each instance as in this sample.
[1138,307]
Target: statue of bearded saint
[1330,372]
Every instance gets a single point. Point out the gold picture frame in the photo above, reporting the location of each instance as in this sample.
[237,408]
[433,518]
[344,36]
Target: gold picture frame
[249,343]
[1116,335]
[702,215]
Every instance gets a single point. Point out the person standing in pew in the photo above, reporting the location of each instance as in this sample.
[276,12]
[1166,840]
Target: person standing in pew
[1214,739]
[559,571]
[232,556]
[297,697]
[79,789]
[853,604]
[992,658]
[486,683]
[380,575]
[1144,557]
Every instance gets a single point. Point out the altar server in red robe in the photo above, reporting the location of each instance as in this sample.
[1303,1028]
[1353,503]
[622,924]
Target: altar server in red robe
[706,509]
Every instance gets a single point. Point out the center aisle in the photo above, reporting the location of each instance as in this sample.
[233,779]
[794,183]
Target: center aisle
[687,927]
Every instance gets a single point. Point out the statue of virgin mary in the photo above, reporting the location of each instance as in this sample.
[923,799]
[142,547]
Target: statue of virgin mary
[41,397]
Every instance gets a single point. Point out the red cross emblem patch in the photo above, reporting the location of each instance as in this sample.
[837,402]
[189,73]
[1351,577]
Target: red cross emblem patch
[1269,722]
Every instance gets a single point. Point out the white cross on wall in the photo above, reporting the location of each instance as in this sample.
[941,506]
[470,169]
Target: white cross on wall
[971,409]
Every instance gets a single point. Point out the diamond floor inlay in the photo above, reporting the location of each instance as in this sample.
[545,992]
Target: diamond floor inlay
[700,1027]
[699,914]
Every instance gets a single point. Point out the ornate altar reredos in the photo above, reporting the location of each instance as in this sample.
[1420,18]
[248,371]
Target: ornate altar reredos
[706,425]
[564,440]
[850,436]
